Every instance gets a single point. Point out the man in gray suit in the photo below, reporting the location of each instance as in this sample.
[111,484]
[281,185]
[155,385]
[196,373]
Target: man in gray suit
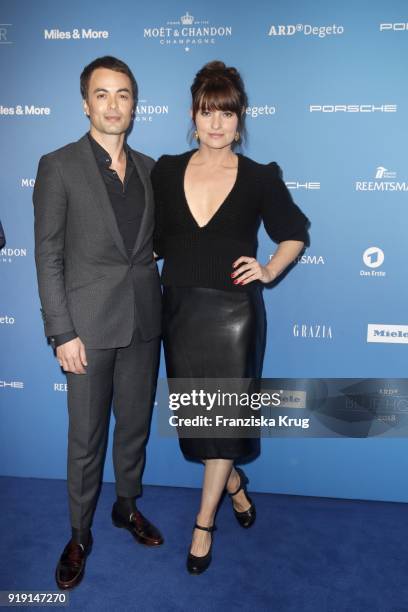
[100,296]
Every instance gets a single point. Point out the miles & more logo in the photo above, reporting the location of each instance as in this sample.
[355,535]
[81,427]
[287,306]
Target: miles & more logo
[25,109]
[76,34]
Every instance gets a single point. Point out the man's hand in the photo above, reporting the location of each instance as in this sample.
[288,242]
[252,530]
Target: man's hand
[72,357]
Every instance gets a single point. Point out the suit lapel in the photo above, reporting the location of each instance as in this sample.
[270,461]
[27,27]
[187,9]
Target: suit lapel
[97,187]
[148,208]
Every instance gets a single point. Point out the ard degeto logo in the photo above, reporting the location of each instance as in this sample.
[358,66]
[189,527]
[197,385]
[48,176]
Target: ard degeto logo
[384,180]
[5,34]
[187,32]
[306,30]
[260,111]
[7,320]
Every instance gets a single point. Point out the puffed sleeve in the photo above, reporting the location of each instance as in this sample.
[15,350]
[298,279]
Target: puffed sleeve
[157,185]
[283,219]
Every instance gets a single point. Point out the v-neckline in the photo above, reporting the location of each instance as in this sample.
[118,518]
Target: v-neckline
[221,206]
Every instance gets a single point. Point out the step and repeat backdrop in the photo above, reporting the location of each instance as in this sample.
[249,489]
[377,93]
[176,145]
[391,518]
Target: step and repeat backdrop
[328,100]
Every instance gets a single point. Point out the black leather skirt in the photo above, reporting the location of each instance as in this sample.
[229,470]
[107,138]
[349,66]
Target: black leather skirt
[213,334]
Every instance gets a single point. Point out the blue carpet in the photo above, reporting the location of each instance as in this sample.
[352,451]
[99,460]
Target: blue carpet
[302,554]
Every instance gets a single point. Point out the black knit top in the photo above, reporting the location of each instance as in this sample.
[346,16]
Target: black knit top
[197,256]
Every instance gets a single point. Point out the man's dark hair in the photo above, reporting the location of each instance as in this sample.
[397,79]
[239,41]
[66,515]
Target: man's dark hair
[111,63]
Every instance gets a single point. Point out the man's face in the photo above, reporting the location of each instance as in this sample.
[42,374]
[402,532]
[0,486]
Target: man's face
[109,102]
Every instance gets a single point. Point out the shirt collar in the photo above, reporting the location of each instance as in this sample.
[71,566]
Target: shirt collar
[101,155]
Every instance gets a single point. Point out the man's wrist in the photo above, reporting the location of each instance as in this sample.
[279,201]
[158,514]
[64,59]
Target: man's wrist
[59,339]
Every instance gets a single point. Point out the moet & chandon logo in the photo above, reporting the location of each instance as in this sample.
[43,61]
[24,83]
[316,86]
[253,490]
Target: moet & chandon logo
[146,111]
[188,32]
[7,254]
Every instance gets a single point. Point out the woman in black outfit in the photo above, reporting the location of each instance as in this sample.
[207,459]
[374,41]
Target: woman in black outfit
[209,204]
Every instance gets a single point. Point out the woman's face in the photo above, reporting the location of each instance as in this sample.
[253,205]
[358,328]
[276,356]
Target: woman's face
[216,128]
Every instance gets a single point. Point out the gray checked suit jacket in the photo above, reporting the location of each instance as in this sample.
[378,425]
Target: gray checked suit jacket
[86,280]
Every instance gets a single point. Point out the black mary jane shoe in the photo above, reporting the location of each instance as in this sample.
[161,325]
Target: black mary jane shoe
[246,518]
[198,565]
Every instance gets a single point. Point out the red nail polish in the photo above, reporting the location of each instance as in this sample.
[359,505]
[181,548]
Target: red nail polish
[236,282]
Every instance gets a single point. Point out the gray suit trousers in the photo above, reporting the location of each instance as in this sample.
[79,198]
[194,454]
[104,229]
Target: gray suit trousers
[128,377]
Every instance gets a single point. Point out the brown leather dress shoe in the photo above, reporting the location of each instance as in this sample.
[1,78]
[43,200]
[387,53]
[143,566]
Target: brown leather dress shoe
[71,566]
[140,528]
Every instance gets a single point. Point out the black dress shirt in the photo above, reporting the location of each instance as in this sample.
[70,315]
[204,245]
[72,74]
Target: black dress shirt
[127,200]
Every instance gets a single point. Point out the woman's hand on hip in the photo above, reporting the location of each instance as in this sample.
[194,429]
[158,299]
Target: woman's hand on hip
[248,269]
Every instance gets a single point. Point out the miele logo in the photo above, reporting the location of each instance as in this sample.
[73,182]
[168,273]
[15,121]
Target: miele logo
[11,384]
[352,108]
[392,334]
[322,332]
[300,185]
